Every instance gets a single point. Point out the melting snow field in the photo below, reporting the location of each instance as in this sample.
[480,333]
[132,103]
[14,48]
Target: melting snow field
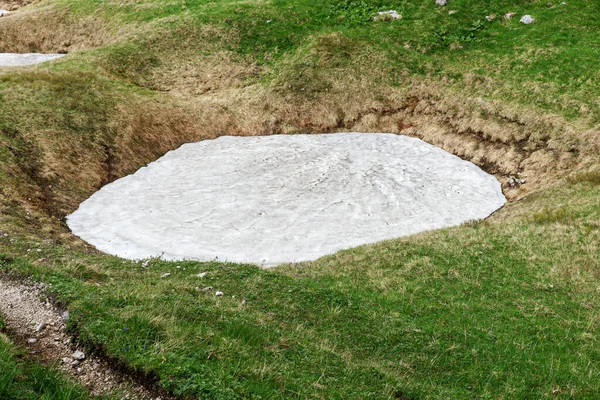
[284,198]
[19,60]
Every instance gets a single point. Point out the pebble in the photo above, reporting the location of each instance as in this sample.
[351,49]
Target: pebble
[393,14]
[67,360]
[202,274]
[32,340]
[509,15]
[2,12]
[527,19]
[207,289]
[78,355]
[65,316]
[40,327]
[441,2]
[163,276]
[219,294]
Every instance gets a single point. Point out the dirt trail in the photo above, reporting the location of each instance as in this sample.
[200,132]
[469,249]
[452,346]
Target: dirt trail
[30,317]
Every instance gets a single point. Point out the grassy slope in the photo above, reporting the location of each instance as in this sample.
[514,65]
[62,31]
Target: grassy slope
[502,309]
[25,380]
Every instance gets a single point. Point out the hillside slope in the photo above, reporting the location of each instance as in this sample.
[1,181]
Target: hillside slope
[504,308]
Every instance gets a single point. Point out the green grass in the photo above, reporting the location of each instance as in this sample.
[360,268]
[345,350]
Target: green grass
[489,310]
[505,308]
[21,379]
[550,64]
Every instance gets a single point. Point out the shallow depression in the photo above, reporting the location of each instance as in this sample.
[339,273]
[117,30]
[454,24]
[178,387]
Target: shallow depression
[284,198]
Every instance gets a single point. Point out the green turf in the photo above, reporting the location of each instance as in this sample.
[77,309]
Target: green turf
[487,310]
[502,309]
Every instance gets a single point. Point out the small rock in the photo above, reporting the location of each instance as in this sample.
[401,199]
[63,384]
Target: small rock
[207,289]
[219,294]
[78,355]
[2,12]
[490,17]
[79,370]
[527,19]
[163,276]
[452,12]
[67,360]
[509,15]
[243,302]
[202,274]
[32,340]
[441,2]
[389,14]
[65,316]
[75,363]
[40,327]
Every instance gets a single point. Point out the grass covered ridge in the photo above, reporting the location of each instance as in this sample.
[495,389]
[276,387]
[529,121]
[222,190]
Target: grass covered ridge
[499,309]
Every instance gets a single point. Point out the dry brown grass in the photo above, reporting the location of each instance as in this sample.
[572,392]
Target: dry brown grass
[214,92]
[48,30]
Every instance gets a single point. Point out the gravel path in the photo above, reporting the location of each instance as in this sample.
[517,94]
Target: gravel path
[31,317]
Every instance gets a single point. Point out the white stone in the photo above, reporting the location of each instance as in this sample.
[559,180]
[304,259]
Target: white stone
[3,12]
[219,294]
[527,19]
[441,2]
[202,274]
[40,327]
[78,356]
[393,14]
[163,276]
[18,60]
[284,198]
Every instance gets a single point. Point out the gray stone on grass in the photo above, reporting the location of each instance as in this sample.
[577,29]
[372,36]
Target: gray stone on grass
[527,19]
[78,355]
[389,14]
[441,2]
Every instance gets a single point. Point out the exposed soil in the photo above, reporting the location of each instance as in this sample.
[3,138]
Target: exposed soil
[32,319]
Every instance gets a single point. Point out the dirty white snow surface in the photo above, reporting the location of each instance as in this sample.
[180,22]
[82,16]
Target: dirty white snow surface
[284,198]
[19,60]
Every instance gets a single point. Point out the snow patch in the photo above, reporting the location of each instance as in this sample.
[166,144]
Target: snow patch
[19,60]
[284,198]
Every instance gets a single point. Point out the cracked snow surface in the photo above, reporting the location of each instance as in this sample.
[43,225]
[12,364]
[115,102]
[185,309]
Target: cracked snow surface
[284,198]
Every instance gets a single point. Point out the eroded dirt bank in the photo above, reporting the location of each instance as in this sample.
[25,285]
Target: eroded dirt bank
[53,171]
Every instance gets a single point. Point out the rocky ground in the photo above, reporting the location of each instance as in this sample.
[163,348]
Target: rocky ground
[31,318]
